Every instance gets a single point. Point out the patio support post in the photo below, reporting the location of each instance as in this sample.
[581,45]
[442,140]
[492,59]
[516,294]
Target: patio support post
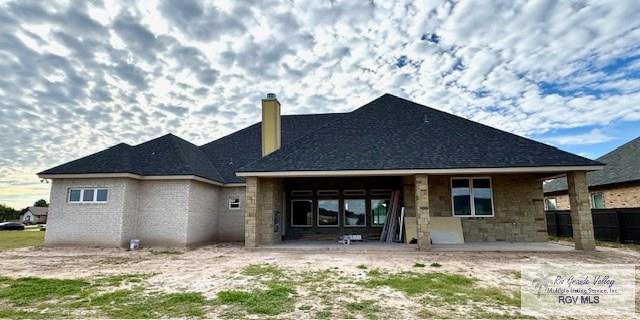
[581,218]
[422,211]
[250,212]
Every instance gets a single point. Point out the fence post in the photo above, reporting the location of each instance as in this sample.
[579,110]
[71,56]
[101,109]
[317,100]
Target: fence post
[620,226]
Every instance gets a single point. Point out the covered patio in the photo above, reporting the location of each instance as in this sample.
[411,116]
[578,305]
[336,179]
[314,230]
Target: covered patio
[496,210]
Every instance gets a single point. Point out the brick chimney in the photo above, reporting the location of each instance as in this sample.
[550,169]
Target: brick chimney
[271,136]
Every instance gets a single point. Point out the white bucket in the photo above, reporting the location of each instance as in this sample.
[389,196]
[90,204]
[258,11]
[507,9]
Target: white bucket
[134,244]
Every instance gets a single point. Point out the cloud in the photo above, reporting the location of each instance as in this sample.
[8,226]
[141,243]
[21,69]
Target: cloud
[200,21]
[594,136]
[79,76]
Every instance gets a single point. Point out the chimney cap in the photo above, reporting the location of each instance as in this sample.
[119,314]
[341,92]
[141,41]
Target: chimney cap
[271,96]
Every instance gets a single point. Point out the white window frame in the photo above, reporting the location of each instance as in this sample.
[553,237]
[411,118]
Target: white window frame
[82,190]
[301,200]
[229,203]
[473,206]
[337,225]
[344,214]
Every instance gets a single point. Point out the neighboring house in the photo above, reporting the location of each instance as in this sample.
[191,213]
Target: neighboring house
[35,215]
[316,177]
[616,186]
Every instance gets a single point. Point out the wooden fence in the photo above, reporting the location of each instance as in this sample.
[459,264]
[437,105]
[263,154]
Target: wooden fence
[617,224]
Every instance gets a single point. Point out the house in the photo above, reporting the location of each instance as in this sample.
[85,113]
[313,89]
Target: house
[35,215]
[616,186]
[317,177]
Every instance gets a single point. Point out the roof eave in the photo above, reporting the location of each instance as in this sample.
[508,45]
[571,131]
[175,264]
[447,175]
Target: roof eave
[397,172]
[134,176]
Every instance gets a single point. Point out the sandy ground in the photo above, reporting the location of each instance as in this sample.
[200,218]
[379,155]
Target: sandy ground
[211,269]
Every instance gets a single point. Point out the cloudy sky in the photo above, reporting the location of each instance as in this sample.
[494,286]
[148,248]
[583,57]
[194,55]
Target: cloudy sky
[78,77]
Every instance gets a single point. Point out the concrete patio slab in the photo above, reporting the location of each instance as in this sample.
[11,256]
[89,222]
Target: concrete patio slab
[502,246]
[374,246]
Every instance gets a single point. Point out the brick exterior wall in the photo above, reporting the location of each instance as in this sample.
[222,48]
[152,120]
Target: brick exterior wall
[518,207]
[231,221]
[87,223]
[614,197]
[203,213]
[158,212]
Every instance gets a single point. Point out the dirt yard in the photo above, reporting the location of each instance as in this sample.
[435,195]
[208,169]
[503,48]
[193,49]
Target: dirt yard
[228,281]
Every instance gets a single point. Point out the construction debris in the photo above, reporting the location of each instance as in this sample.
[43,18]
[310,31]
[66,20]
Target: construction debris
[392,226]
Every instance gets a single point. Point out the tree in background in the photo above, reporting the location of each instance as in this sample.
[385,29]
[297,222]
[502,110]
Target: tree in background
[8,213]
[41,203]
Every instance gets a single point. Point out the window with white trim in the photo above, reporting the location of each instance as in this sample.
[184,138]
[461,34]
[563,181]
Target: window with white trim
[471,197]
[88,195]
[234,203]
[355,213]
[328,212]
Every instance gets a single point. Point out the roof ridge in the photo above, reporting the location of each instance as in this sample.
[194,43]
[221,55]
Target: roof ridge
[186,161]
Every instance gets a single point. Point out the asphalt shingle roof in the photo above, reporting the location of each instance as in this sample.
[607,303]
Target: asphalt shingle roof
[622,165]
[166,155]
[394,133]
[387,133]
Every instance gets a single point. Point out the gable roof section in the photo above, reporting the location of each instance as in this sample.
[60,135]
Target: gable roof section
[622,165]
[164,156]
[391,133]
[233,151]
[39,211]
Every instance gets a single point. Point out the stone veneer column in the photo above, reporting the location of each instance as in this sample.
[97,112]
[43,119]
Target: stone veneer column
[581,219]
[250,212]
[422,211]
[269,202]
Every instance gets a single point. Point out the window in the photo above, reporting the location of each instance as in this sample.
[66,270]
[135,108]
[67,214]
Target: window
[301,193]
[471,197]
[325,193]
[328,213]
[597,200]
[301,213]
[379,209]
[355,213]
[234,203]
[550,204]
[88,195]
[354,192]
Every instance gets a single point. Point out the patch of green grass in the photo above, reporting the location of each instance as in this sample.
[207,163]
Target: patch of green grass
[134,304]
[361,267]
[13,313]
[419,265]
[435,265]
[26,291]
[257,270]
[19,239]
[120,279]
[323,314]
[40,298]
[368,308]
[276,299]
[304,307]
[443,287]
